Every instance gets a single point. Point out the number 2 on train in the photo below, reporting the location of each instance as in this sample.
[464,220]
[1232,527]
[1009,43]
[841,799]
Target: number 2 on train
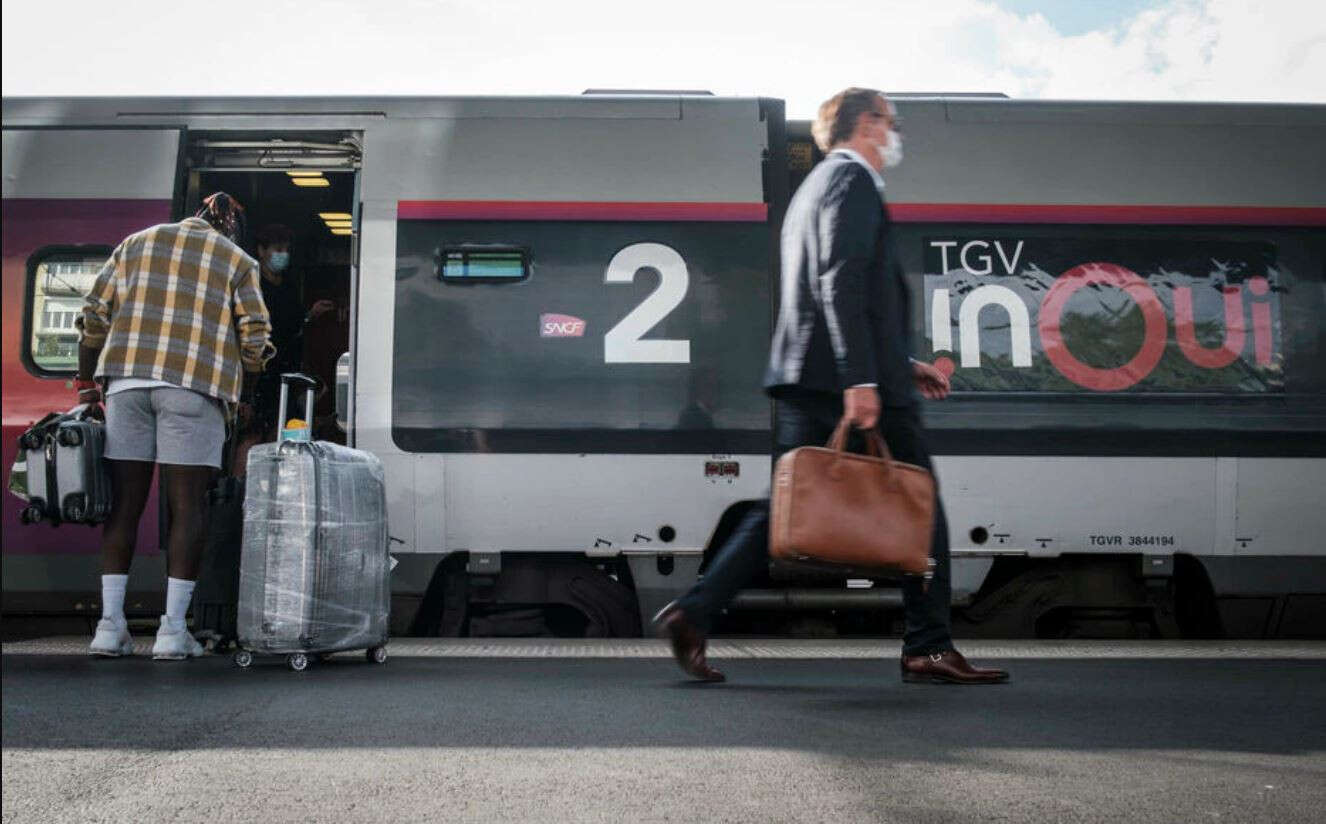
[622,343]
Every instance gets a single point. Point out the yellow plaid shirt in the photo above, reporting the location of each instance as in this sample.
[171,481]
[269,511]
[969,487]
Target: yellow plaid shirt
[179,302]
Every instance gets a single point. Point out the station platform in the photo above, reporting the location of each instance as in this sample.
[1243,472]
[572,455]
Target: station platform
[585,730]
[727,648]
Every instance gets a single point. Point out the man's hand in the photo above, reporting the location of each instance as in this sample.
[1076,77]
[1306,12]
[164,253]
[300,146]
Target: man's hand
[88,391]
[861,406]
[931,383]
[320,308]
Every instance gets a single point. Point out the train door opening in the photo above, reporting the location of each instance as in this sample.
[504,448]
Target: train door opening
[299,189]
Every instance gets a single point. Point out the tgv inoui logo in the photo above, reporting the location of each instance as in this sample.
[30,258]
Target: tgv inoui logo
[1215,296]
[552,325]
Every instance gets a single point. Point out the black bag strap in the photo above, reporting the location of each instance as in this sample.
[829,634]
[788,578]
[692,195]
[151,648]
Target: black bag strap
[52,479]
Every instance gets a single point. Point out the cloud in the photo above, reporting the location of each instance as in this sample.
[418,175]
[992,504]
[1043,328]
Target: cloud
[1187,50]
[1181,50]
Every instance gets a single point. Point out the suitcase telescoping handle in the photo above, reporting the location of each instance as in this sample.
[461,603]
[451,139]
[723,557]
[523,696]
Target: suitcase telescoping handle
[308,383]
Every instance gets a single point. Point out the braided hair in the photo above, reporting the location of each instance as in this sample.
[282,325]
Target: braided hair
[224,214]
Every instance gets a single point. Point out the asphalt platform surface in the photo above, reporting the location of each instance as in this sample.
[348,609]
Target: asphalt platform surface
[610,731]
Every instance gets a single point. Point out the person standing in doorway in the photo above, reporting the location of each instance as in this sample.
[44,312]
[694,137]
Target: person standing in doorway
[841,349]
[174,321]
[281,293]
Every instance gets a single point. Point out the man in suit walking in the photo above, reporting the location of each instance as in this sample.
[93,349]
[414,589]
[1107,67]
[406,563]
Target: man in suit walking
[841,348]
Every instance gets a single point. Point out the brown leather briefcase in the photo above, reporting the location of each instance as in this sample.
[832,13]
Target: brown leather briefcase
[857,510]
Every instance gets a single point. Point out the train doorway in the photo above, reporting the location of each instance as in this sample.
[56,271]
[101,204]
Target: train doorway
[300,188]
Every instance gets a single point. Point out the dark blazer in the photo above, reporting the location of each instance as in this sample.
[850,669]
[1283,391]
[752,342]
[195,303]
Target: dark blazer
[843,316]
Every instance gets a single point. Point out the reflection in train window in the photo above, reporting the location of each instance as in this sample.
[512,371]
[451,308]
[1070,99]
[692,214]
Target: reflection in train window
[59,280]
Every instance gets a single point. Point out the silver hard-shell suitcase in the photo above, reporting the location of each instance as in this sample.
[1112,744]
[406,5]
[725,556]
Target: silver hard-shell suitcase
[67,477]
[314,569]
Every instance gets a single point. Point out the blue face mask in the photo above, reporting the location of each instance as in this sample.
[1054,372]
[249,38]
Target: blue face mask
[278,261]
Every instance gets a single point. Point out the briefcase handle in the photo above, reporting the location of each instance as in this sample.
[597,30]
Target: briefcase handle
[875,446]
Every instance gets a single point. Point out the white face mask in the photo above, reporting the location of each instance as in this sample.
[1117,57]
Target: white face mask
[891,152]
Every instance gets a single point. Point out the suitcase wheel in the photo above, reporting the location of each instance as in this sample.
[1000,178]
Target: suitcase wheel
[243,659]
[30,440]
[376,655]
[297,661]
[30,515]
[69,437]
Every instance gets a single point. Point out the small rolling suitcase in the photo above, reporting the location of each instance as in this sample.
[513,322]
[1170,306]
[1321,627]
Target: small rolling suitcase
[314,567]
[67,478]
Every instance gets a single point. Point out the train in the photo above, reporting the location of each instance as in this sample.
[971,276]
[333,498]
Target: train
[553,315]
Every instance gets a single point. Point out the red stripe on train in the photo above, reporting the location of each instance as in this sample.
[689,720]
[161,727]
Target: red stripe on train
[1079,213]
[901,212]
[577,210]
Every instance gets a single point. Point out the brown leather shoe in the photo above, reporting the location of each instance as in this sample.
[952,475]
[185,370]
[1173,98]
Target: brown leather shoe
[687,643]
[947,667]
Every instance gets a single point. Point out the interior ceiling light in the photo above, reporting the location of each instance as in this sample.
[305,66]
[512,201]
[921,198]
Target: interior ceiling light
[315,182]
[346,231]
[339,224]
[334,215]
[304,174]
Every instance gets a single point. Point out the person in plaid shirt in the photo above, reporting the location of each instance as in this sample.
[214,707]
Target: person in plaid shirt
[173,325]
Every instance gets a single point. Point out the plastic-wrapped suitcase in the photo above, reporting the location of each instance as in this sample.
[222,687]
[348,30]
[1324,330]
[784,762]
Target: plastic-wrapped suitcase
[314,570]
[67,477]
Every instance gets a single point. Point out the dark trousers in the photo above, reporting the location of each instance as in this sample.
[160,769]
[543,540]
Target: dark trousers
[808,420]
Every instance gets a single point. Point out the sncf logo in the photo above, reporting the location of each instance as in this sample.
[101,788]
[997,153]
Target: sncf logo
[552,325]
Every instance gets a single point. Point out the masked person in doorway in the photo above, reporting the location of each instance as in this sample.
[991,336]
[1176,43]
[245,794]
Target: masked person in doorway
[281,292]
[173,323]
[841,349]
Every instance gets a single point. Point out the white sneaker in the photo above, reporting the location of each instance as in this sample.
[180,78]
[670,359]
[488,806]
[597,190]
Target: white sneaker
[112,639]
[174,643]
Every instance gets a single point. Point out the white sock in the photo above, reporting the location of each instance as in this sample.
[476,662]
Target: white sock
[112,596]
[178,595]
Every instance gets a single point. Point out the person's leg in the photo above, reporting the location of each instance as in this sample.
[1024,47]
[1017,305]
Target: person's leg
[130,448]
[928,625]
[190,437]
[131,482]
[745,553]
[186,489]
[130,451]
[928,655]
[926,607]
[741,557]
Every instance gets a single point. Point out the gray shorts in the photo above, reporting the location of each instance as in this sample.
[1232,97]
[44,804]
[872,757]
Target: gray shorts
[165,425]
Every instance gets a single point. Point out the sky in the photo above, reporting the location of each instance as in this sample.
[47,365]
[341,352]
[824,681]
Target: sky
[1235,50]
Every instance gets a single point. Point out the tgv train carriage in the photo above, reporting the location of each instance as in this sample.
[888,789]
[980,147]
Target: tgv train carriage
[553,315]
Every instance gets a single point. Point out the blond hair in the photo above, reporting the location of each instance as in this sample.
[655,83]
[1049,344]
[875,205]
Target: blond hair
[838,115]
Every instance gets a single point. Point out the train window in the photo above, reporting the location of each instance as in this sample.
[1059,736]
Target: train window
[483,263]
[59,278]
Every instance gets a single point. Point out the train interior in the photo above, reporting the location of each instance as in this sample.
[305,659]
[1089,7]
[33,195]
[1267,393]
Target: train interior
[306,183]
